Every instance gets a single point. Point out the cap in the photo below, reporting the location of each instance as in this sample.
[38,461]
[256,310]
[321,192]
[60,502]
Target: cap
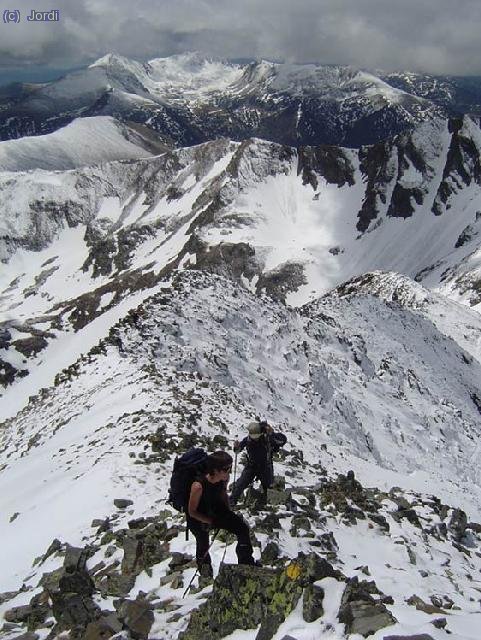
[255,430]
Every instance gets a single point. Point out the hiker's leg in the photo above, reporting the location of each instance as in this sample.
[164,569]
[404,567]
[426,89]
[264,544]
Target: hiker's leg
[233,523]
[201,534]
[266,478]
[246,478]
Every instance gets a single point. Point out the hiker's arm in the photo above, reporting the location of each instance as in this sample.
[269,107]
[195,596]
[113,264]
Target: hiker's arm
[224,497]
[238,446]
[194,499]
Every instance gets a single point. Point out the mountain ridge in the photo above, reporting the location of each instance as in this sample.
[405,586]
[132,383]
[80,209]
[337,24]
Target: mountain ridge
[189,98]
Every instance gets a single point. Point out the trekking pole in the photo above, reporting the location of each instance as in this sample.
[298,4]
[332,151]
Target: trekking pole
[197,570]
[235,467]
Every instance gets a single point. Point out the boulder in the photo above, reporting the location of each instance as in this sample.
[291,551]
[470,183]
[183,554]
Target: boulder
[244,597]
[419,636]
[457,524]
[75,559]
[122,503]
[19,614]
[277,497]
[77,582]
[138,616]
[72,609]
[270,553]
[118,584]
[416,601]
[312,608]
[103,628]
[360,612]
[8,595]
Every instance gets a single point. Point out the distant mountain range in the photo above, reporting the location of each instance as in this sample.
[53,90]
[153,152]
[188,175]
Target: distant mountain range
[188,99]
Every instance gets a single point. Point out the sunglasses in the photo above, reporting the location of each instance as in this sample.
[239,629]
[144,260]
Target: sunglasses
[226,469]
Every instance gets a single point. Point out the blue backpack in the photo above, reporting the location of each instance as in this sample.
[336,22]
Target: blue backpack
[186,468]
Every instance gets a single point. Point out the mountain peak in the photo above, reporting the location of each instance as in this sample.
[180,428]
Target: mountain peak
[110,59]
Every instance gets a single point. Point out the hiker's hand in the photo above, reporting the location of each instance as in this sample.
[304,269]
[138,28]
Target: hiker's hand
[236,444]
[269,429]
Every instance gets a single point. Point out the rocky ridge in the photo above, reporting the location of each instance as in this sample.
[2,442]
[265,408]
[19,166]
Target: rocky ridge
[216,207]
[128,582]
[187,368]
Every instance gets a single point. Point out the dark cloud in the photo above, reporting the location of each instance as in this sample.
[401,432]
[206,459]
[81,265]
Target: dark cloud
[437,36]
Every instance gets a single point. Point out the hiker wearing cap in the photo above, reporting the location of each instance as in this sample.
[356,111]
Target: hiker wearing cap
[261,444]
[208,507]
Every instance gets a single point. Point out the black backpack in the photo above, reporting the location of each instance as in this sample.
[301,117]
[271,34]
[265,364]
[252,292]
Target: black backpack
[186,468]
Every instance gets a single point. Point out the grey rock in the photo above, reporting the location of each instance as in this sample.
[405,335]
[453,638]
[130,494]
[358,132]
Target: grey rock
[419,636]
[138,616]
[8,595]
[51,581]
[104,627]
[55,546]
[118,584]
[270,553]
[73,609]
[365,619]
[360,612]
[439,623]
[122,503]
[457,524]
[416,601]
[19,614]
[77,582]
[312,608]
[268,524]
[75,559]
[277,498]
[474,526]
[301,522]
[132,553]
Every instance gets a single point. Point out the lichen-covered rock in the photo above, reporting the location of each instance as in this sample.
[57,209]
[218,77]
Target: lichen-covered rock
[312,608]
[245,597]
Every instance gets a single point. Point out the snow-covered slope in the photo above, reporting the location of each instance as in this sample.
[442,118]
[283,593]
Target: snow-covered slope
[290,222]
[85,141]
[355,381]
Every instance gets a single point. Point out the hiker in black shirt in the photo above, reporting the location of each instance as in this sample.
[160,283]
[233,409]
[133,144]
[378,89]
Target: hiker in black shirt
[209,508]
[260,444]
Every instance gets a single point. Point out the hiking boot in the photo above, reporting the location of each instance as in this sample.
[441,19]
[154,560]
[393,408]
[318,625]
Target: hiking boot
[252,563]
[206,574]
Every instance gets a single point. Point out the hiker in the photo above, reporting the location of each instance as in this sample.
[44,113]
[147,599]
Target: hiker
[261,444]
[208,507]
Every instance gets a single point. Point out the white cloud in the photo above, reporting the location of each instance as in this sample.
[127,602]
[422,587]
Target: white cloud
[436,36]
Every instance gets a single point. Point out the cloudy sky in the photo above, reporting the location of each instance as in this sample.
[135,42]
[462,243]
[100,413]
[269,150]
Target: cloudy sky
[436,36]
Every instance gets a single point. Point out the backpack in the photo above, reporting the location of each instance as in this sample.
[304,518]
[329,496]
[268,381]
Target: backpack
[186,468]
